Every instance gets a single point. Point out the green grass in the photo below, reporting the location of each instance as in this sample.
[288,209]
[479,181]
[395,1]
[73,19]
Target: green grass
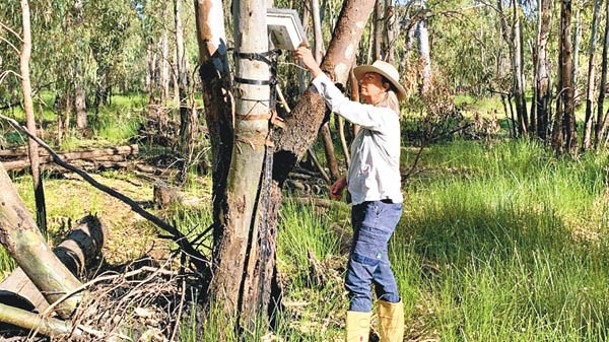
[7,264]
[499,242]
[510,244]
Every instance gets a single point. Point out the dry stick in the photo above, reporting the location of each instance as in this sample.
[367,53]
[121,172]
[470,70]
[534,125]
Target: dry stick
[316,162]
[51,327]
[198,259]
[17,35]
[343,140]
[179,317]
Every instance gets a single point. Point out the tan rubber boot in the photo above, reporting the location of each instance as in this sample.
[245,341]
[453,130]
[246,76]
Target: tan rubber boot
[391,320]
[358,326]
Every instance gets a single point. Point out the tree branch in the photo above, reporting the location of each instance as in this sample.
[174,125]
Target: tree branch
[2,25]
[10,44]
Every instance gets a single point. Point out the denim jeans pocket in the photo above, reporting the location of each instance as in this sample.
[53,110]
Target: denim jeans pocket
[365,260]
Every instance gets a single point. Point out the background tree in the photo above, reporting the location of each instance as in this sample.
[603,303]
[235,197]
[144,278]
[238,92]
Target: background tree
[591,77]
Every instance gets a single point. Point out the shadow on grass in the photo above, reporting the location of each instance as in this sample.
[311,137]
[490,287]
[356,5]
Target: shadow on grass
[526,266]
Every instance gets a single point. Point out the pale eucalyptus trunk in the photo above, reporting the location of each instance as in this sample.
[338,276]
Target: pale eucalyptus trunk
[232,276]
[318,50]
[24,243]
[164,62]
[28,106]
[80,103]
[422,34]
[591,75]
[149,68]
[543,91]
[188,119]
[576,41]
[518,72]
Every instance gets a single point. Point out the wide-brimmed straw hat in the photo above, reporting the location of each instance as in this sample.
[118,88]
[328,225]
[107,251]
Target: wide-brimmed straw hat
[385,69]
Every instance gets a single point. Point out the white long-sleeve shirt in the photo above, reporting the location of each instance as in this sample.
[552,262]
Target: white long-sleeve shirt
[374,173]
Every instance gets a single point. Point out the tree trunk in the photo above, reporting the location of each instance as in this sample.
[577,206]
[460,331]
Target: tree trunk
[505,34]
[318,51]
[371,40]
[543,91]
[187,117]
[325,129]
[565,120]
[150,68]
[517,70]
[80,105]
[391,30]
[600,115]
[422,35]
[576,39]
[164,62]
[378,29]
[91,155]
[216,83]
[23,241]
[601,121]
[330,153]
[233,279]
[28,106]
[591,75]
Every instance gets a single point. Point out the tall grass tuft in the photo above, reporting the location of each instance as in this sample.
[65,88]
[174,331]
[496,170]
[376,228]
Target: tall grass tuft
[510,244]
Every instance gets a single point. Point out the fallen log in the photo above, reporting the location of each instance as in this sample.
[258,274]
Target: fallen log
[108,154]
[24,242]
[81,246]
[196,257]
[51,327]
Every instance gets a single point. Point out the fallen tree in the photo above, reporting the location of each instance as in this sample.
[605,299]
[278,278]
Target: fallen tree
[81,246]
[24,243]
[113,154]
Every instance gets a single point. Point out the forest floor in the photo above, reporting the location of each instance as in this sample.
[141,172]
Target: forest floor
[499,241]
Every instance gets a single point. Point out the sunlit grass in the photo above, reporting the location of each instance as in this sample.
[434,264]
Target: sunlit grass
[499,241]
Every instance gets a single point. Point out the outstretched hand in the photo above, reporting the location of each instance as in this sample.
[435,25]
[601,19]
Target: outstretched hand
[305,55]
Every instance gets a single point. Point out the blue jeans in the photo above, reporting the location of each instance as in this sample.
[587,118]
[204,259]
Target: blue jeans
[373,224]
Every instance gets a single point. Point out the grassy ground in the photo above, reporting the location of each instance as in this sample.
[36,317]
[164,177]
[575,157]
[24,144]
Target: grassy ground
[499,241]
